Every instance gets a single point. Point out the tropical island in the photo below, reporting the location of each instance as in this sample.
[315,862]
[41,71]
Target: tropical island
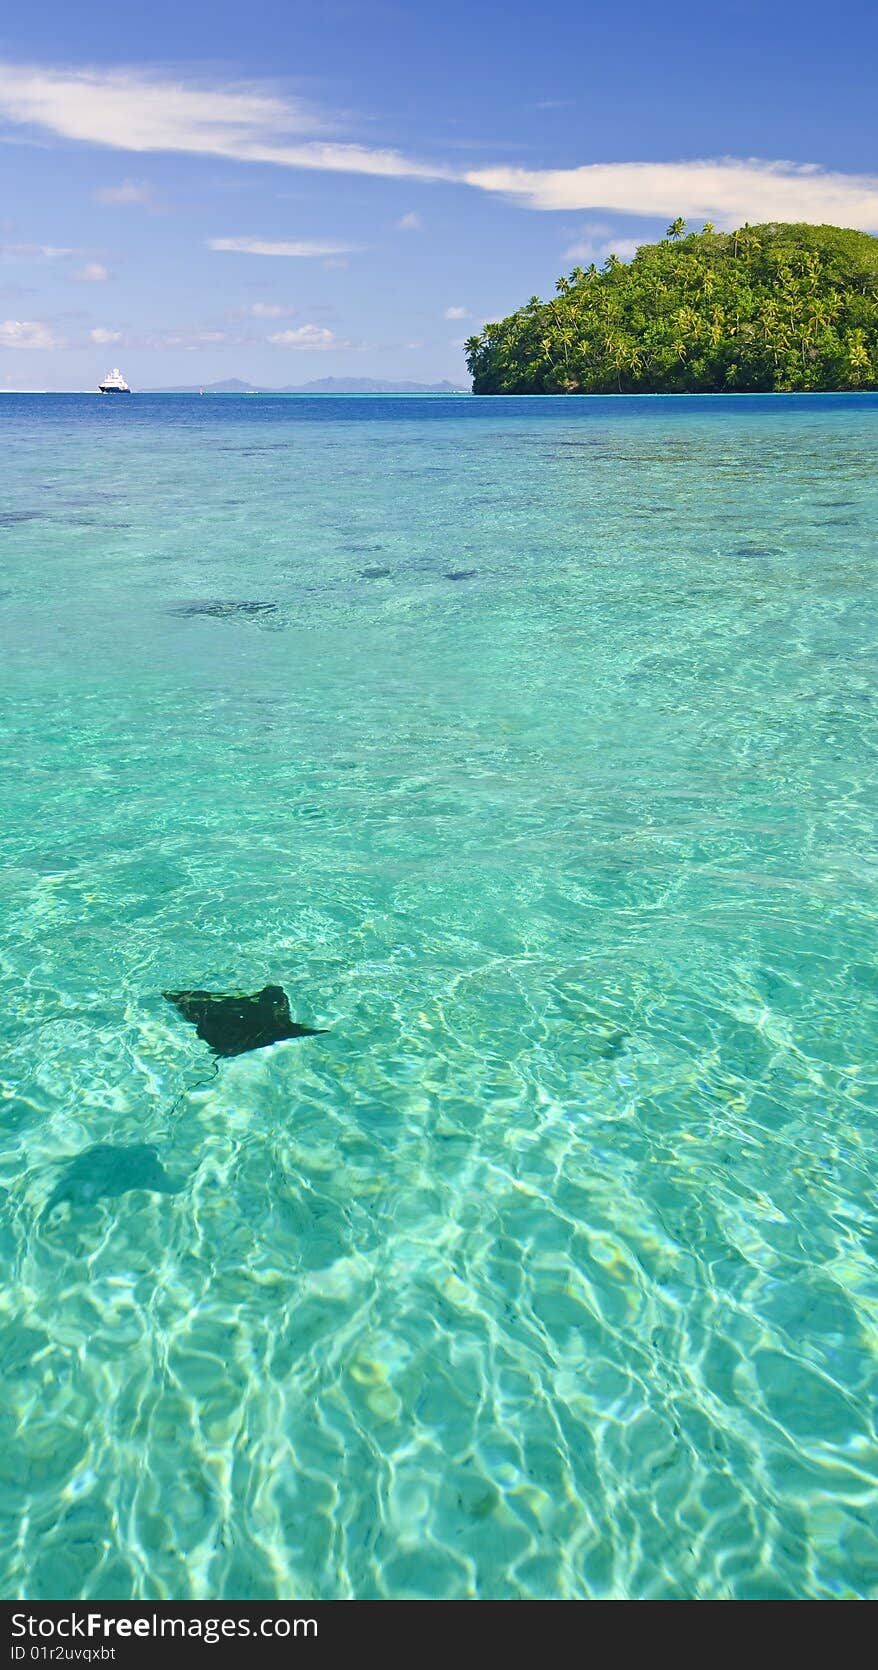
[765,309]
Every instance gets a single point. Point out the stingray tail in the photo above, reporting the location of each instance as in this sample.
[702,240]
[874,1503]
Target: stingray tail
[189,1090]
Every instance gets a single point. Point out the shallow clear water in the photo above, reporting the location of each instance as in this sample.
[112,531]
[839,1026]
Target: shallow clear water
[552,1268]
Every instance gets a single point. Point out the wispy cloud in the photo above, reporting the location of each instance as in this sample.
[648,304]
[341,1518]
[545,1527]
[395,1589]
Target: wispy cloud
[127,110]
[103,337]
[27,333]
[308,336]
[590,249]
[727,191]
[408,223]
[455,313]
[36,252]
[188,338]
[191,339]
[130,191]
[263,246]
[130,111]
[595,229]
[266,310]
[92,272]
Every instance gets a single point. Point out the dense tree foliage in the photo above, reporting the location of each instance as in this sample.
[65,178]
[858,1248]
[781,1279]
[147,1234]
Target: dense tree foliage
[764,308]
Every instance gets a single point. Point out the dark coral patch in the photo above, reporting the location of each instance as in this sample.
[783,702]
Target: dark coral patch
[461,574]
[218,608]
[232,1023]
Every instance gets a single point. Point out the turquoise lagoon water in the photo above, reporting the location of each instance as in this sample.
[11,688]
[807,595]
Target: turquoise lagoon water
[547,786]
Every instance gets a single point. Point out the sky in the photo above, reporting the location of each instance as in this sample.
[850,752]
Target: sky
[284,190]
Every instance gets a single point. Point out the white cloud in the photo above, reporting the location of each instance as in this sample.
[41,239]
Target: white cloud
[130,191]
[307,336]
[130,111]
[727,191]
[263,246]
[408,223]
[103,337]
[27,333]
[455,313]
[92,273]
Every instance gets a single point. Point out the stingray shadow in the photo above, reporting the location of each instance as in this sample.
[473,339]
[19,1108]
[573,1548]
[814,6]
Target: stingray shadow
[107,1170]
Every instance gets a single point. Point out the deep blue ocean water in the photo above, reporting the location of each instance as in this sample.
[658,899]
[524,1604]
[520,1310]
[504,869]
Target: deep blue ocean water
[529,745]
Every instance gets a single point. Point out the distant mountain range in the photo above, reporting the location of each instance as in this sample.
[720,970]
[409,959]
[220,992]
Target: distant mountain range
[324,385]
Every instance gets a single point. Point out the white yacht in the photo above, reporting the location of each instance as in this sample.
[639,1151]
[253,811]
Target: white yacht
[114,383]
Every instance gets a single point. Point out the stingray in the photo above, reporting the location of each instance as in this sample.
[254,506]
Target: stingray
[106,1171]
[234,1022]
[374,573]
[221,609]
[461,574]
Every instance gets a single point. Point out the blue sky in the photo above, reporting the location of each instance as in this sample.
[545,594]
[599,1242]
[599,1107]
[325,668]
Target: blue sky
[291,189]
